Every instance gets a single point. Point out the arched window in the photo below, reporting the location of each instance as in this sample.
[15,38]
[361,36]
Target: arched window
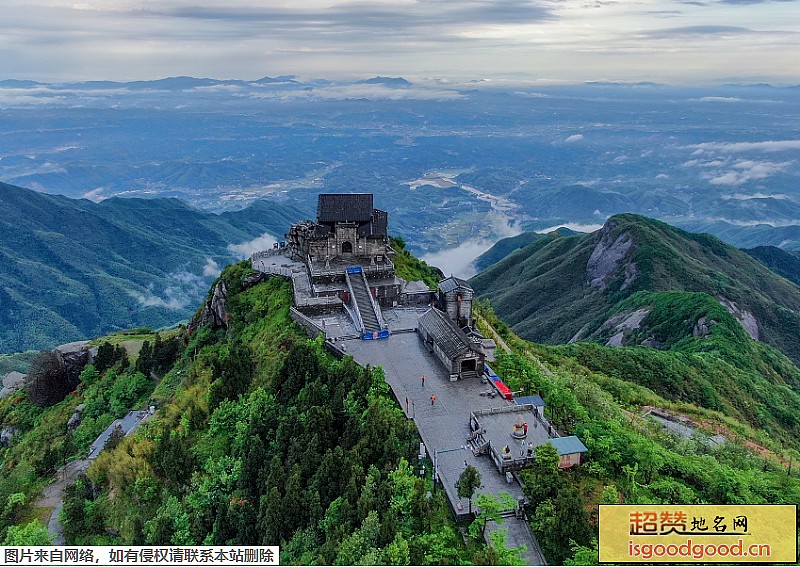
[347,247]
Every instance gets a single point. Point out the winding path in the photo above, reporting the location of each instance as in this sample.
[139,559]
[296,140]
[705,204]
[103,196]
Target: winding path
[53,493]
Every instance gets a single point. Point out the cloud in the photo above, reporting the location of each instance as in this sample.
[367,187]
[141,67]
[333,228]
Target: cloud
[719,99]
[749,170]
[169,302]
[459,261]
[211,269]
[748,197]
[576,226]
[183,289]
[767,222]
[574,138]
[94,195]
[362,91]
[749,2]
[735,147]
[527,94]
[245,249]
[697,31]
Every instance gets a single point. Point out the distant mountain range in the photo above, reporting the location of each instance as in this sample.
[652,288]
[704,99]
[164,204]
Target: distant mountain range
[438,155]
[599,287]
[74,269]
[184,82]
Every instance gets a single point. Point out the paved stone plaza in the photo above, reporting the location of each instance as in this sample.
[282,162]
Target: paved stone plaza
[444,425]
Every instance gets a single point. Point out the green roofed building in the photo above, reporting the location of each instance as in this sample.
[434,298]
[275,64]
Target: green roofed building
[569,449]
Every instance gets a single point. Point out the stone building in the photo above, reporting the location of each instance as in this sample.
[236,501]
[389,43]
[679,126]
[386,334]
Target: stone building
[347,228]
[348,233]
[455,299]
[460,355]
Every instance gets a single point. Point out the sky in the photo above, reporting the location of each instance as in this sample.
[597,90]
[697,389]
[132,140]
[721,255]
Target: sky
[545,41]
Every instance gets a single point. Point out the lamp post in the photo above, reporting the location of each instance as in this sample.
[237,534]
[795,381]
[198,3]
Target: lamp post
[436,453]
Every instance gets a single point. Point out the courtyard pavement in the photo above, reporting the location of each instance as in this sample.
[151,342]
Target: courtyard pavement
[444,425]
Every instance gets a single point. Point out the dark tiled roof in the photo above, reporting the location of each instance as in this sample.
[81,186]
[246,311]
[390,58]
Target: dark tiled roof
[377,226]
[321,230]
[452,283]
[445,333]
[344,207]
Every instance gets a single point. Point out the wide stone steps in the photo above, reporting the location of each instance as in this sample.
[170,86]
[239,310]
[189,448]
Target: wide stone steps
[364,304]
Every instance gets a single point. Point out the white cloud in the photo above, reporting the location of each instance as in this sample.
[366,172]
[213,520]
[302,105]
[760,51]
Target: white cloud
[459,261]
[94,195]
[747,197]
[736,147]
[719,99]
[362,91]
[211,269]
[767,222]
[662,176]
[574,138]
[150,300]
[749,170]
[576,226]
[245,249]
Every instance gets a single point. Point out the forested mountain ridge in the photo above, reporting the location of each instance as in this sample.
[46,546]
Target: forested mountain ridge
[73,269]
[263,437]
[573,285]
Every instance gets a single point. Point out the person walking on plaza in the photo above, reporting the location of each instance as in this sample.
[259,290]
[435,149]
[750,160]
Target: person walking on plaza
[433,399]
[423,380]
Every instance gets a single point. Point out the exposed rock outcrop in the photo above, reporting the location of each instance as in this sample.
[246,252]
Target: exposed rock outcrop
[703,327]
[74,357]
[651,342]
[746,319]
[11,382]
[76,418]
[7,434]
[215,309]
[607,257]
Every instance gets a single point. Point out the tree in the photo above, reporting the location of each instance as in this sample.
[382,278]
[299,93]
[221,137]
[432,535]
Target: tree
[233,371]
[105,357]
[144,363]
[500,554]
[33,533]
[561,522]
[467,483]
[117,435]
[79,516]
[542,478]
[89,375]
[583,555]
[490,507]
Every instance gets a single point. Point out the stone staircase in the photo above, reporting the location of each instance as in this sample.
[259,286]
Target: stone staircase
[363,302]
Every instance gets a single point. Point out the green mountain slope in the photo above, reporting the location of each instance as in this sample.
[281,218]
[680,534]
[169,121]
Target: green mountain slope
[566,288]
[261,438]
[603,395]
[72,269]
[782,262]
[506,246]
